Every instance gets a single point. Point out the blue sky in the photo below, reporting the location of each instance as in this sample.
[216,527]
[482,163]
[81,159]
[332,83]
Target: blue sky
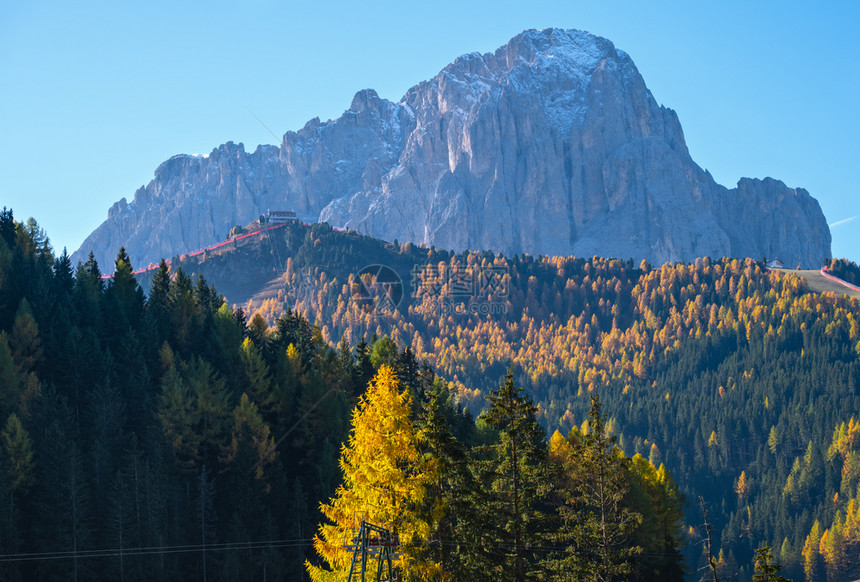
[94,95]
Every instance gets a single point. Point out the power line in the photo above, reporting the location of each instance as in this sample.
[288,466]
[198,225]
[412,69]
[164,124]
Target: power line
[151,550]
[256,545]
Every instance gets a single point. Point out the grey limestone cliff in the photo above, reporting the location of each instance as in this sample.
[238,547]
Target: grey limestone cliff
[551,145]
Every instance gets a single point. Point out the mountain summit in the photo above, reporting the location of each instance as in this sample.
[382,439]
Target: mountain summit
[550,145]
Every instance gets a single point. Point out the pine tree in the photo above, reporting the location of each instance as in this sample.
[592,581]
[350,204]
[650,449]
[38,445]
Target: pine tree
[506,527]
[448,479]
[124,300]
[25,341]
[251,432]
[212,409]
[654,495]
[10,382]
[257,376]
[157,311]
[88,291]
[16,478]
[812,562]
[597,525]
[257,331]
[408,372]
[17,450]
[766,570]
[363,369]
[177,414]
[184,314]
[194,414]
[383,351]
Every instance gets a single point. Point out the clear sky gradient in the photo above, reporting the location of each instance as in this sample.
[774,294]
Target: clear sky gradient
[94,95]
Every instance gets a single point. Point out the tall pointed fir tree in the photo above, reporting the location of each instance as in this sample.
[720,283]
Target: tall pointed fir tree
[654,495]
[16,477]
[597,526]
[448,477]
[504,530]
[124,299]
[157,313]
[765,569]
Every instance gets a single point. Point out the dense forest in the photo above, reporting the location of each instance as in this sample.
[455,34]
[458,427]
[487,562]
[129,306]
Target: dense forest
[165,436]
[169,435]
[733,376]
[137,439]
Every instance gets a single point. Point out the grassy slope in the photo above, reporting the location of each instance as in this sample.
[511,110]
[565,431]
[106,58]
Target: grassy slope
[821,284]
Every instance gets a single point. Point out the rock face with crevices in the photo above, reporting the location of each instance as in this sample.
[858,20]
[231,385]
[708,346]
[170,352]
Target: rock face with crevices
[550,145]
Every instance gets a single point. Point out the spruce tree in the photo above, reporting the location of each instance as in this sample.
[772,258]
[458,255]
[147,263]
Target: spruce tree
[597,525]
[448,478]
[509,517]
[157,312]
[766,570]
[124,298]
[16,478]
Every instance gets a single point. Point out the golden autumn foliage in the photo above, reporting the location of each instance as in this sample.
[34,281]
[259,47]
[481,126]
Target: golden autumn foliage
[383,483]
[741,486]
[831,549]
[811,555]
[601,319]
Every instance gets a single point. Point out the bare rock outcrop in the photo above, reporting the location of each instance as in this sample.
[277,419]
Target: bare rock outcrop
[550,145]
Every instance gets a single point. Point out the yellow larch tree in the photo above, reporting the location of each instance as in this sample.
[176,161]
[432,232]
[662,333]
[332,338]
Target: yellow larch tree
[811,553]
[383,483]
[742,487]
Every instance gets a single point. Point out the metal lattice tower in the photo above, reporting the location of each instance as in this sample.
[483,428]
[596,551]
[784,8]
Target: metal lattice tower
[373,544]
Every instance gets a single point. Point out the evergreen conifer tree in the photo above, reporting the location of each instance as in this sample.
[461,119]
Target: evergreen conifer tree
[766,570]
[505,530]
[597,524]
[448,478]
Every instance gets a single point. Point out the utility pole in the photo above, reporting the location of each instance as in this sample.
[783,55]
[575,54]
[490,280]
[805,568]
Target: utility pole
[373,543]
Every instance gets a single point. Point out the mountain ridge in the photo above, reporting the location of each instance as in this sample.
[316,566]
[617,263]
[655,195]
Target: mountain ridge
[551,145]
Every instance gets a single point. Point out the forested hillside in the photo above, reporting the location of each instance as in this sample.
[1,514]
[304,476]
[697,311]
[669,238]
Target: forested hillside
[726,372]
[138,431]
[166,437]
[137,435]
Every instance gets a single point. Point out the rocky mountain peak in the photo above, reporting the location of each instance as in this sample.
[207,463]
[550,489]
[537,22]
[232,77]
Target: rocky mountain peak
[364,100]
[578,48]
[552,144]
